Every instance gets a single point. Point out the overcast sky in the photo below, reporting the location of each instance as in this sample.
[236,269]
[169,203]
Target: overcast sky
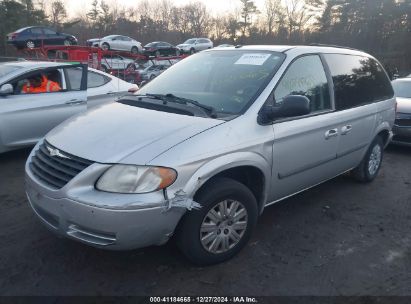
[216,6]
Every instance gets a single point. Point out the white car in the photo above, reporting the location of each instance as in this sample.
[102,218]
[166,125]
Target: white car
[117,62]
[117,43]
[26,116]
[196,45]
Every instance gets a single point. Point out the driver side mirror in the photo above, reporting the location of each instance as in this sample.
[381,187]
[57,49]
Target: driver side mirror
[6,89]
[292,106]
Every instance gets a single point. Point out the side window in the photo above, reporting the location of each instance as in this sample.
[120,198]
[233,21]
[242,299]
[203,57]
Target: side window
[49,31]
[36,31]
[357,80]
[47,81]
[95,80]
[306,76]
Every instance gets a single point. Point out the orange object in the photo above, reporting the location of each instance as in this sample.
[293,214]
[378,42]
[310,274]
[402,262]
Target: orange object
[46,86]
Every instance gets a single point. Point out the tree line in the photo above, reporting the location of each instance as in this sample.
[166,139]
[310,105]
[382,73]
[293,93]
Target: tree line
[380,27]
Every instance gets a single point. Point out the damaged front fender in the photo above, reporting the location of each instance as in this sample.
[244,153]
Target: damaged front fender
[181,200]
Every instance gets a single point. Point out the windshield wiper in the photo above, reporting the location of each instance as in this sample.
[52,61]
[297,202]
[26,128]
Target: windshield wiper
[172,98]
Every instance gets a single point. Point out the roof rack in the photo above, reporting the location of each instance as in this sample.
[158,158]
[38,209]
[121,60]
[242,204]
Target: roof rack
[334,46]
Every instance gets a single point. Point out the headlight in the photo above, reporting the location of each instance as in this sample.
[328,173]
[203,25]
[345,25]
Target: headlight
[135,179]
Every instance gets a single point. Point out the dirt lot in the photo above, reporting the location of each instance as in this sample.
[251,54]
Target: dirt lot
[341,238]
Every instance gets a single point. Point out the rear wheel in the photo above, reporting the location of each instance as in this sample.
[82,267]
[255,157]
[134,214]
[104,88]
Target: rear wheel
[177,52]
[368,169]
[157,54]
[67,42]
[222,227]
[192,51]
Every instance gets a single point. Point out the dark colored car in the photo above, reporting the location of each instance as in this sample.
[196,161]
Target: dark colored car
[36,36]
[160,48]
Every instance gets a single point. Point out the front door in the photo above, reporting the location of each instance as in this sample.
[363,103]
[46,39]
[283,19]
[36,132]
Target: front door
[27,115]
[305,148]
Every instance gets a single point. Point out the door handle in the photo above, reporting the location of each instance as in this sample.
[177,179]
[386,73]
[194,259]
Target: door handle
[346,129]
[75,102]
[331,133]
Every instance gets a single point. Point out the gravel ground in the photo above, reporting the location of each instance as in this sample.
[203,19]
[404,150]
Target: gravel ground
[340,238]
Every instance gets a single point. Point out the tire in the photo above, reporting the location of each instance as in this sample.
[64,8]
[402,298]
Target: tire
[192,51]
[152,77]
[131,67]
[30,44]
[157,54]
[177,52]
[211,197]
[134,50]
[104,68]
[105,46]
[67,42]
[369,167]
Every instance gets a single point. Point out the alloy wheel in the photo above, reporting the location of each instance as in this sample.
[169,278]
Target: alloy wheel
[30,44]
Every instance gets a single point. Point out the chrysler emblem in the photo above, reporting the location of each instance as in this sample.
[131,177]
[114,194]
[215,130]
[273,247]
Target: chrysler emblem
[56,152]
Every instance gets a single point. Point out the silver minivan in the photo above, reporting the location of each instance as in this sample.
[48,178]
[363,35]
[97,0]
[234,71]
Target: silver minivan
[199,152]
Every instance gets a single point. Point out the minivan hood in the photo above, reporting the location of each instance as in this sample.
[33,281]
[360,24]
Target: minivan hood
[404,105]
[116,133]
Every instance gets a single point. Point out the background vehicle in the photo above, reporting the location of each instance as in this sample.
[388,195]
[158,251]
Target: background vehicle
[402,128]
[225,45]
[117,62]
[118,43]
[195,45]
[257,125]
[25,118]
[160,48]
[35,36]
[151,72]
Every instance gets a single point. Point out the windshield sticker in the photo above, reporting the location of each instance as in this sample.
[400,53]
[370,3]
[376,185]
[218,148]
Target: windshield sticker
[253,59]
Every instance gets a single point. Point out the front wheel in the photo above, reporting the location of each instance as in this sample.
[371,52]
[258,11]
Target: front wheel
[369,167]
[192,51]
[67,42]
[105,46]
[131,67]
[222,227]
[134,50]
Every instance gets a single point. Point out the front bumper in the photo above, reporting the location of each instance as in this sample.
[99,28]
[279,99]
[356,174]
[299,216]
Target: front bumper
[103,220]
[402,135]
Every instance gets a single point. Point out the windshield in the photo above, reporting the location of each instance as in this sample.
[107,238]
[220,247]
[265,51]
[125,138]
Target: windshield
[228,81]
[402,88]
[7,69]
[190,41]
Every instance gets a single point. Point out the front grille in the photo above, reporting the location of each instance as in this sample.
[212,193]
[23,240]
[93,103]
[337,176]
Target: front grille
[402,139]
[56,168]
[403,120]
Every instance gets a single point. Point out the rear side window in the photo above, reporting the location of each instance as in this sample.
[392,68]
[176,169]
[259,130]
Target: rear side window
[94,80]
[306,76]
[357,80]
